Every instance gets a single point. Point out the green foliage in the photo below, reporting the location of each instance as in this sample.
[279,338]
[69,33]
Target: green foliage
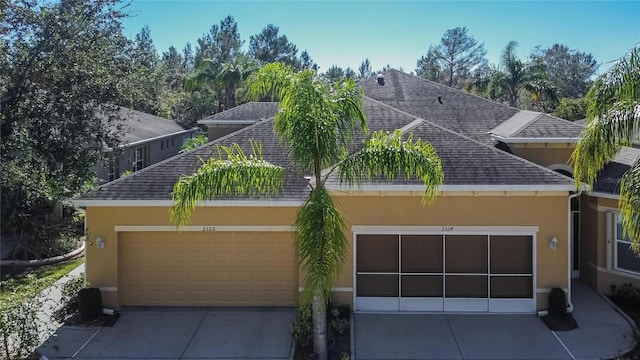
[627,294]
[61,78]
[339,323]
[320,242]
[364,70]
[268,46]
[237,174]
[571,109]
[569,70]
[19,322]
[386,155]
[452,60]
[302,327]
[193,143]
[613,122]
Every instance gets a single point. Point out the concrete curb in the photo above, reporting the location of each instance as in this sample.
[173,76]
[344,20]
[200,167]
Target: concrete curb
[52,260]
[352,335]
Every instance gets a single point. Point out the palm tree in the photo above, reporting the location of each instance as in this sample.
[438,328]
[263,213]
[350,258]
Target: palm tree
[613,115]
[316,123]
[516,71]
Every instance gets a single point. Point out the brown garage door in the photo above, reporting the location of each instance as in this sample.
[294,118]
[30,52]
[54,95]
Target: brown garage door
[208,269]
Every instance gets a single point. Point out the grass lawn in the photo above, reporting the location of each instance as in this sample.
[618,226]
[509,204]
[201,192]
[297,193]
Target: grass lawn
[12,278]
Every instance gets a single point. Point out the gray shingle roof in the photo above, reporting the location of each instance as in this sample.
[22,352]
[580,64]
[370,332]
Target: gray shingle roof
[465,161]
[142,126]
[531,124]
[461,112]
[609,178]
[254,111]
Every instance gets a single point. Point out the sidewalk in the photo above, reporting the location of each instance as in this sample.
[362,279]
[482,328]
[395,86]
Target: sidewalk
[53,302]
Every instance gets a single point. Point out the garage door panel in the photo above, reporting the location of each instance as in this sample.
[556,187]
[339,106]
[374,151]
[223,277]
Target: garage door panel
[511,255]
[209,269]
[466,254]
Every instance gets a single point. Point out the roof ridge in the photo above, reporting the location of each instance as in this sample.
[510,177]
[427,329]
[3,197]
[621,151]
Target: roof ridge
[528,124]
[454,89]
[425,121]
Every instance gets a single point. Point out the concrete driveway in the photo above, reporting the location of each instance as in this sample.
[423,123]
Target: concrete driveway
[179,333]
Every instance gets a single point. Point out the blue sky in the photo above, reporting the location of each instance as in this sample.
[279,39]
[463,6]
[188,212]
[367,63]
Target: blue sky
[399,32]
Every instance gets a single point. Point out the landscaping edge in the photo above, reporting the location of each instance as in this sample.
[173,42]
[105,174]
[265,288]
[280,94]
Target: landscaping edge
[48,261]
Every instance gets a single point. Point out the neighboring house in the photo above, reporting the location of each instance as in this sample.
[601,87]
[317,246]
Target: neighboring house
[147,139]
[502,233]
[239,117]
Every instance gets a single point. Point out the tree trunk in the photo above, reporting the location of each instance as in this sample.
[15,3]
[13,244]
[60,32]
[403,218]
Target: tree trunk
[319,325]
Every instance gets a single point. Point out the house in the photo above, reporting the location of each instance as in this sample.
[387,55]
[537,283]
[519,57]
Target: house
[148,139]
[239,117]
[508,224]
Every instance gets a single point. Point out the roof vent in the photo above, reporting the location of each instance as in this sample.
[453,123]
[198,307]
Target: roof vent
[380,78]
[440,99]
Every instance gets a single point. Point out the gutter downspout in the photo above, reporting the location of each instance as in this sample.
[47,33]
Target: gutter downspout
[569,245]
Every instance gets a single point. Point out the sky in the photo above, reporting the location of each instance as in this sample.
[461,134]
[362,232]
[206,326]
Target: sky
[398,33]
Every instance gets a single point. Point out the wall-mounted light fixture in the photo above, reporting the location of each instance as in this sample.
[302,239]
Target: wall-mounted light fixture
[99,243]
[553,244]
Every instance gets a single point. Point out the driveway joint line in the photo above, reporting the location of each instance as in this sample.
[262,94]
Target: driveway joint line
[86,343]
[453,334]
[204,316]
[563,345]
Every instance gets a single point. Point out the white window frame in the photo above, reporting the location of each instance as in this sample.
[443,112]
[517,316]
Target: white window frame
[112,167]
[618,238]
[138,158]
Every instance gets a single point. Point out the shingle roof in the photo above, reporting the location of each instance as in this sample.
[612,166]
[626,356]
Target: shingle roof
[142,126]
[465,160]
[469,162]
[609,178]
[254,111]
[531,124]
[463,113]
[156,182]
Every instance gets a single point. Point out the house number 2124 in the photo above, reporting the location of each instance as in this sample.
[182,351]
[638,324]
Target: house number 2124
[208,228]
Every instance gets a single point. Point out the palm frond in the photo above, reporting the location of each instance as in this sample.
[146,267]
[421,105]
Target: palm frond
[613,115]
[320,242]
[238,174]
[387,155]
[630,204]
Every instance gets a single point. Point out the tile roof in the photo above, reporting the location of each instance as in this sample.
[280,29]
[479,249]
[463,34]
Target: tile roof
[250,111]
[609,178]
[142,126]
[531,124]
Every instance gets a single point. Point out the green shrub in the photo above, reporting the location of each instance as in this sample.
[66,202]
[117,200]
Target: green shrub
[19,323]
[302,327]
[557,302]
[627,294]
[339,323]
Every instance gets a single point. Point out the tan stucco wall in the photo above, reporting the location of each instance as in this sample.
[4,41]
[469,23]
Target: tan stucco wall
[550,213]
[547,212]
[543,156]
[102,264]
[593,236]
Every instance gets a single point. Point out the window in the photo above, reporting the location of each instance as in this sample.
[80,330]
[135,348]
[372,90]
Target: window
[625,258]
[138,159]
[112,167]
[161,145]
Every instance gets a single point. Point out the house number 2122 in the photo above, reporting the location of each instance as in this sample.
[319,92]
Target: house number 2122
[208,228]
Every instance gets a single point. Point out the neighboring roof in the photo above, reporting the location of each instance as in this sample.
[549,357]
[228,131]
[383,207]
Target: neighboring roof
[248,113]
[608,181]
[141,126]
[581,122]
[456,110]
[465,161]
[156,182]
[532,126]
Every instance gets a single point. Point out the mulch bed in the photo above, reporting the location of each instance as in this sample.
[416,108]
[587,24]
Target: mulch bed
[634,313]
[564,322]
[343,342]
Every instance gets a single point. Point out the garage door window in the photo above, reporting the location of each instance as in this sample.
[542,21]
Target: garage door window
[423,268]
